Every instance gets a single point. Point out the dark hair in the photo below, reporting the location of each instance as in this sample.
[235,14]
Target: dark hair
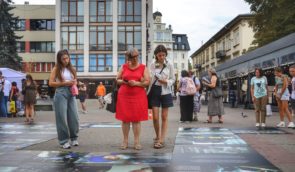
[0,72]
[159,49]
[260,71]
[292,66]
[29,77]
[59,66]
[13,83]
[184,73]
[278,69]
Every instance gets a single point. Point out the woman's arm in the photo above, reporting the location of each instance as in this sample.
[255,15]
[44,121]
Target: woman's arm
[119,77]
[285,85]
[213,82]
[171,78]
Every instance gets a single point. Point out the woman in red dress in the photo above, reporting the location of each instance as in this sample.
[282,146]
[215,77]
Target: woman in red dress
[132,106]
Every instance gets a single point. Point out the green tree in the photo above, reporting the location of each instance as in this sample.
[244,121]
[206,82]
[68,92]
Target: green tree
[273,19]
[8,50]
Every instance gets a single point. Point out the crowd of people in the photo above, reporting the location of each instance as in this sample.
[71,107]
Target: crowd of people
[15,101]
[139,89]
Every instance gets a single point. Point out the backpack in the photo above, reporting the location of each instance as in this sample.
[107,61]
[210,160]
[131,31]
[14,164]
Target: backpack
[201,85]
[189,87]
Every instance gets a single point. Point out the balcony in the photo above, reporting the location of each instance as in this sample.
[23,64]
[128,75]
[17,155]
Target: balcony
[220,54]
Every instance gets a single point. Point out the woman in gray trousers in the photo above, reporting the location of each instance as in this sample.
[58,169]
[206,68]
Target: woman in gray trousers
[63,77]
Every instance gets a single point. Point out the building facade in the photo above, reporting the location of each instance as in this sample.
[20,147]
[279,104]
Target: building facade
[177,44]
[232,41]
[162,35]
[36,25]
[98,32]
[180,53]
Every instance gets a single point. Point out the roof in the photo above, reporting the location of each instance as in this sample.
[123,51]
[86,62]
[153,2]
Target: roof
[157,13]
[223,31]
[281,43]
[184,41]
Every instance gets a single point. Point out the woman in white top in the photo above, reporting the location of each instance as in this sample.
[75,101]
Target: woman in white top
[63,77]
[162,79]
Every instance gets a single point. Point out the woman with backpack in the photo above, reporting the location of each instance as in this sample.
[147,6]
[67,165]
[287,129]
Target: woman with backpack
[215,104]
[186,97]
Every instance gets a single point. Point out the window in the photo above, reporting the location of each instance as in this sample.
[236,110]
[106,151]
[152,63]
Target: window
[20,47]
[175,46]
[101,38]
[72,11]
[42,47]
[212,64]
[227,42]
[183,56]
[100,63]
[101,11]
[207,54]
[179,39]
[129,10]
[236,36]
[20,25]
[175,65]
[39,66]
[182,66]
[72,37]
[77,61]
[37,24]
[129,36]
[121,60]
[212,51]
[183,46]
[159,36]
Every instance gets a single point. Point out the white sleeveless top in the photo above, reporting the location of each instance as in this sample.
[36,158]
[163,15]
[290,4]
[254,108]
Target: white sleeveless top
[67,75]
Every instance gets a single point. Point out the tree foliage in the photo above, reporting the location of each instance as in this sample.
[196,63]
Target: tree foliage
[8,50]
[273,19]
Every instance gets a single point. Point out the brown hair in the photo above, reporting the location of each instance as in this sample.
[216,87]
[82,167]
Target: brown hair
[59,66]
[292,66]
[278,69]
[260,71]
[159,49]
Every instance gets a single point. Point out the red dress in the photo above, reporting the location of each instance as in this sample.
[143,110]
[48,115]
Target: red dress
[132,101]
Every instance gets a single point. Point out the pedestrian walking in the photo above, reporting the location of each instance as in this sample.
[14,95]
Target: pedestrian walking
[292,73]
[186,100]
[162,79]
[82,97]
[259,93]
[13,97]
[197,96]
[132,106]
[282,96]
[64,77]
[30,93]
[100,93]
[215,104]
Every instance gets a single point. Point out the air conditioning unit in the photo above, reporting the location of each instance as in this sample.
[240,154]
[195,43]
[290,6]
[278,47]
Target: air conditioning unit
[107,68]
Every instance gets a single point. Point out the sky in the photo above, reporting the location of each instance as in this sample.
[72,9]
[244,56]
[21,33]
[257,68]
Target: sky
[199,19]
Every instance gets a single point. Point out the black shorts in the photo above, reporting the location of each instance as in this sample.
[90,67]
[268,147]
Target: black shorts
[82,99]
[292,104]
[163,101]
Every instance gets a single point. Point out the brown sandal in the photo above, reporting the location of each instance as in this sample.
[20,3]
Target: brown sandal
[124,146]
[137,147]
[159,145]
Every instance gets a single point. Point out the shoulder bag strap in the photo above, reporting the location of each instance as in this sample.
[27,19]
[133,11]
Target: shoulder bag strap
[159,73]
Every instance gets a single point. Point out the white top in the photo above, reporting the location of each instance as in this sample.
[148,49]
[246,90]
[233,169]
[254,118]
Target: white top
[7,87]
[67,75]
[293,88]
[167,73]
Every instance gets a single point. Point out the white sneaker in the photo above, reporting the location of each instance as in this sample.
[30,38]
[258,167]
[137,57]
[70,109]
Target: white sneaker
[263,125]
[85,111]
[291,125]
[281,124]
[257,124]
[74,143]
[66,146]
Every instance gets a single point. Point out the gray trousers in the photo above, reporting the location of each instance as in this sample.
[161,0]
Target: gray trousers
[66,115]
